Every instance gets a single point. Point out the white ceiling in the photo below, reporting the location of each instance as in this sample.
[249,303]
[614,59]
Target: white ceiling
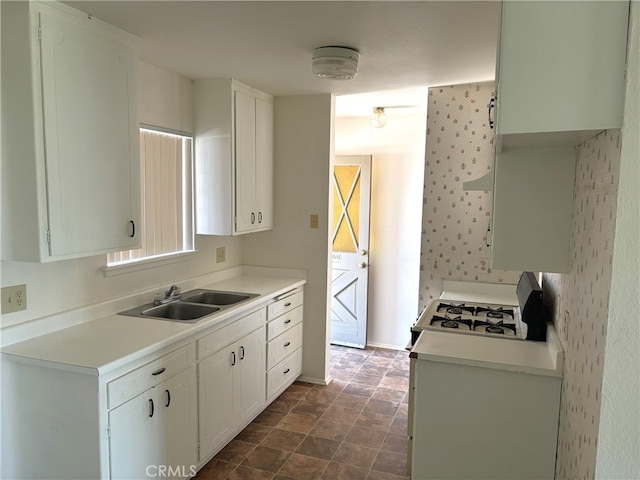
[268,44]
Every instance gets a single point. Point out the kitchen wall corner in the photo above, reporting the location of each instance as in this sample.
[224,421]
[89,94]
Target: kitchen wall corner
[454,222]
[579,302]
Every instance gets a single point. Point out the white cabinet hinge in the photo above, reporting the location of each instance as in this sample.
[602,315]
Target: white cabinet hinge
[108,432]
[48,236]
[39,32]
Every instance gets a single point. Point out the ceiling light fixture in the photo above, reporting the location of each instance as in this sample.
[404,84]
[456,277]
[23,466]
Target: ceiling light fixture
[379,118]
[337,63]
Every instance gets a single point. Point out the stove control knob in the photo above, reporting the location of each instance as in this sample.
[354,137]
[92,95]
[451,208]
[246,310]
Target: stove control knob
[363,252]
[362,265]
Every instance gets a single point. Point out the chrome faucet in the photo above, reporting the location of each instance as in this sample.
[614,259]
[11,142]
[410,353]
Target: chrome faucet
[170,295]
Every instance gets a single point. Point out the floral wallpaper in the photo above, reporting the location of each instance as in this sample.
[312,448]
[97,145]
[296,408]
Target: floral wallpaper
[459,148]
[579,302]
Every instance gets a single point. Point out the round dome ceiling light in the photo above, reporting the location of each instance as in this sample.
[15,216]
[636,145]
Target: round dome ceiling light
[337,63]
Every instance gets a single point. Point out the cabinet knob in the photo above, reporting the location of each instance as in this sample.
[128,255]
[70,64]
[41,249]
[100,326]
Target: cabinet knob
[159,371]
[253,218]
[287,321]
[259,217]
[362,265]
[241,353]
[287,344]
[233,358]
[151,407]
[133,229]
[168,398]
[287,371]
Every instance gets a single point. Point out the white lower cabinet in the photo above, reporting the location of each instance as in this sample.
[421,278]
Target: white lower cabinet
[284,343]
[154,434]
[231,382]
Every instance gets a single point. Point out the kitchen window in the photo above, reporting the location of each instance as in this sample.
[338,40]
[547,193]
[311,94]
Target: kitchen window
[166,186]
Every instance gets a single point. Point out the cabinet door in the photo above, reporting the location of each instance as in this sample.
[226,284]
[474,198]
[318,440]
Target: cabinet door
[249,375]
[135,437]
[91,139]
[264,163]
[245,162]
[216,399]
[177,400]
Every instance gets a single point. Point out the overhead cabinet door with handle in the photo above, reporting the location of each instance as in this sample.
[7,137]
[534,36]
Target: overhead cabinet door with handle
[72,157]
[234,158]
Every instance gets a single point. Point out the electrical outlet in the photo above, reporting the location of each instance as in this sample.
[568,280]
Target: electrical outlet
[313,221]
[14,298]
[220,254]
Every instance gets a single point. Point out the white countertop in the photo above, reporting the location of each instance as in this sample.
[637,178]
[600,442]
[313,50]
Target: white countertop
[536,358]
[104,344]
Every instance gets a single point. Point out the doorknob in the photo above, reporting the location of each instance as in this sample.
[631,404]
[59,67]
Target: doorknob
[362,265]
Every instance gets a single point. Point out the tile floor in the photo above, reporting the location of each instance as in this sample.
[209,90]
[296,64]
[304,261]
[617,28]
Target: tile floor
[352,429]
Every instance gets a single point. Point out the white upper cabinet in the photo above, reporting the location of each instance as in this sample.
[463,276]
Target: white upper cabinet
[234,158]
[561,68]
[70,154]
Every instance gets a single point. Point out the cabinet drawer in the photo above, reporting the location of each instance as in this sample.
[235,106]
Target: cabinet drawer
[210,344]
[140,379]
[284,374]
[284,323]
[282,346]
[284,305]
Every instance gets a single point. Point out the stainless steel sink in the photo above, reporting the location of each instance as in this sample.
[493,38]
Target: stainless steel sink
[180,311]
[190,306]
[215,297]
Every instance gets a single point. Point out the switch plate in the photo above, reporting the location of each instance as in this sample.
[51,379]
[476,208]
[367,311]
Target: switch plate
[14,298]
[313,221]
[220,254]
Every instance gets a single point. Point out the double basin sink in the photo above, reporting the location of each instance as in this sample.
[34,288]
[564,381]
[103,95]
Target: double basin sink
[190,306]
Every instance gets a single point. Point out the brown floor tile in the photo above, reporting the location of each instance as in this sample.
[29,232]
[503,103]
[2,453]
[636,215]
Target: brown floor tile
[355,455]
[397,372]
[376,421]
[349,400]
[254,433]
[395,442]
[385,407]
[297,422]
[342,375]
[318,447]
[356,356]
[235,452]
[215,470]
[325,397]
[390,462]
[302,467]
[334,386]
[388,394]
[264,458]
[283,440]
[331,430]
[281,404]
[247,473]
[296,391]
[395,383]
[399,425]
[373,475]
[337,471]
[269,418]
[381,352]
[310,408]
[357,389]
[336,413]
[379,361]
[366,379]
[283,477]
[403,410]
[366,437]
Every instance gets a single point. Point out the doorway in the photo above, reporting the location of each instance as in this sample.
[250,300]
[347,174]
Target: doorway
[351,189]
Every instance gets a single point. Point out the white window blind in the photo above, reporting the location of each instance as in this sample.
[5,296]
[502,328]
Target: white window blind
[166,197]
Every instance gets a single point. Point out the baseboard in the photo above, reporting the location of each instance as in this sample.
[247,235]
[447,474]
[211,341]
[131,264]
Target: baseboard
[315,381]
[385,346]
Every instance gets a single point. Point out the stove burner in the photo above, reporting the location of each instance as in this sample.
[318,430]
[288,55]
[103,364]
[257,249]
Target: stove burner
[454,309]
[448,322]
[493,312]
[494,327]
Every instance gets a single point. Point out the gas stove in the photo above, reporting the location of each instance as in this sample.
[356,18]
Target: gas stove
[471,318]
[473,309]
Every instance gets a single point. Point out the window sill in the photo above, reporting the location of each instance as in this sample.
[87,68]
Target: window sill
[145,263]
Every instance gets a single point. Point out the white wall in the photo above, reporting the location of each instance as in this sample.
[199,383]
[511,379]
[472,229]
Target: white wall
[60,286]
[395,220]
[618,454]
[303,148]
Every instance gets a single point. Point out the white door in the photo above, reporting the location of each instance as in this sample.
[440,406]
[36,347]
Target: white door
[350,250]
